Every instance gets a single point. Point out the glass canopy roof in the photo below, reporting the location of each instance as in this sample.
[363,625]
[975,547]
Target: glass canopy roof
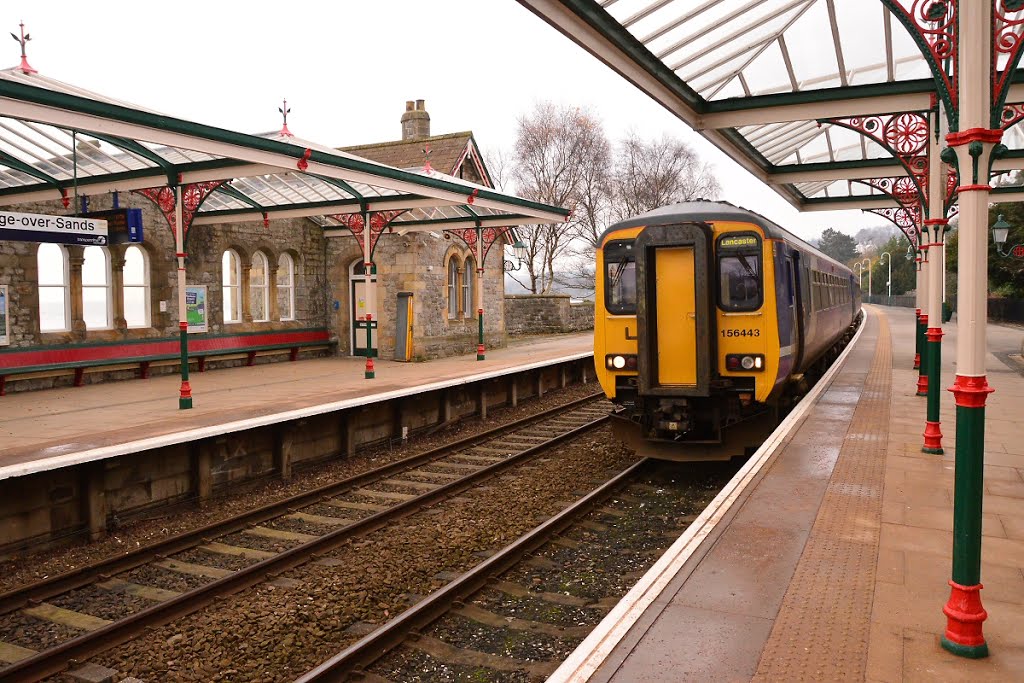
[763,80]
[56,138]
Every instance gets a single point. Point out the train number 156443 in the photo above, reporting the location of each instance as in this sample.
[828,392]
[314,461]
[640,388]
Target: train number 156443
[741,333]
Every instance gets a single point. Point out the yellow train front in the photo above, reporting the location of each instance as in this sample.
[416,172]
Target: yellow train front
[711,321]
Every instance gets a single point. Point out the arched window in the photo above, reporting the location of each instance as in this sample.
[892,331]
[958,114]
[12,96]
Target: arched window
[259,288]
[453,288]
[468,285]
[231,276]
[96,288]
[54,299]
[136,287]
[286,287]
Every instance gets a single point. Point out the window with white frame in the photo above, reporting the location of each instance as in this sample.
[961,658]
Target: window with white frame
[259,288]
[54,292]
[231,277]
[453,287]
[468,283]
[136,287]
[286,287]
[96,290]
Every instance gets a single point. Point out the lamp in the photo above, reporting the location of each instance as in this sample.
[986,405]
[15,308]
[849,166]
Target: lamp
[910,252]
[520,251]
[1000,231]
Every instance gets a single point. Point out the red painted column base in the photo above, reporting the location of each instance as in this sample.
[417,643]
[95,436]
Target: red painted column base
[480,351]
[964,616]
[917,361]
[368,374]
[932,438]
[922,385]
[185,397]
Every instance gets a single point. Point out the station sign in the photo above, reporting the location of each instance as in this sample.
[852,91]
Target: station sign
[34,227]
[1018,251]
[124,226]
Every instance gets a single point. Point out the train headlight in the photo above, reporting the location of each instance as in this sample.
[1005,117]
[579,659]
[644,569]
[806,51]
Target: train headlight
[738,362]
[620,362]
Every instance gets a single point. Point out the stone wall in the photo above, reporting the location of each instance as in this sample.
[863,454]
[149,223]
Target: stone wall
[546,314]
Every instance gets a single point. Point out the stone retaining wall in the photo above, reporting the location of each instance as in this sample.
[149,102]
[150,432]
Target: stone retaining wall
[546,314]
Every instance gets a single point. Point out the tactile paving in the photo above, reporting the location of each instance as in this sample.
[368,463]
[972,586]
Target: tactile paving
[822,630]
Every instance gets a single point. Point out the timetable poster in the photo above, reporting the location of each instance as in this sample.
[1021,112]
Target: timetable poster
[195,308]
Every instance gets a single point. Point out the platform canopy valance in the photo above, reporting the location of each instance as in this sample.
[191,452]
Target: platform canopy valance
[57,140]
[802,93]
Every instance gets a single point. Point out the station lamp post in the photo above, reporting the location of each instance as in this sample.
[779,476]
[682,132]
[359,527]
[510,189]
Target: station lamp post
[867,261]
[888,283]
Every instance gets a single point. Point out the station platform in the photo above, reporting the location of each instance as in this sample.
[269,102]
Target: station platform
[54,428]
[827,557]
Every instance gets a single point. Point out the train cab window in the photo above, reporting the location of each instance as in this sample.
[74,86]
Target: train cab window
[739,272]
[620,277]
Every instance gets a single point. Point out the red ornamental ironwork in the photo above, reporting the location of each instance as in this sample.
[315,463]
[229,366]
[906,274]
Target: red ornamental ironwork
[1007,25]
[379,222]
[933,25]
[192,197]
[489,236]
[1012,113]
[906,218]
[905,136]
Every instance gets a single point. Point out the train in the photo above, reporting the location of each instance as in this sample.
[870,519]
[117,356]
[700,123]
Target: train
[711,322]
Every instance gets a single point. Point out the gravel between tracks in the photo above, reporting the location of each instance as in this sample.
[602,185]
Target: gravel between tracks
[33,566]
[273,634]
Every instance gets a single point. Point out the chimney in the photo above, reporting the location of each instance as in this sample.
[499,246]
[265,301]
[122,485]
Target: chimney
[415,120]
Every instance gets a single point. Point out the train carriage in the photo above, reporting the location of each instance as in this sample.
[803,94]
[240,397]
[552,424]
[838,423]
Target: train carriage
[711,321]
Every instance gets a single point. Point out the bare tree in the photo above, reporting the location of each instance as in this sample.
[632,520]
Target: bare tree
[654,173]
[558,151]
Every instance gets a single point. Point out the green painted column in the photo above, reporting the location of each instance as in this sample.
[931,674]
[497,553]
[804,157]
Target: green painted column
[932,428]
[369,372]
[185,397]
[922,345]
[480,335]
[964,611]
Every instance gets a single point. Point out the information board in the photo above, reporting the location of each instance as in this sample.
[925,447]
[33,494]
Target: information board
[5,321]
[195,308]
[34,227]
[124,226]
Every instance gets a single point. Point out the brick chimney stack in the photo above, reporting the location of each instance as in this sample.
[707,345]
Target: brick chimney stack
[415,120]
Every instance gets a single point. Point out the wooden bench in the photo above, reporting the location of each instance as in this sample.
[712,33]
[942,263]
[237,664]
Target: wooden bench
[144,354]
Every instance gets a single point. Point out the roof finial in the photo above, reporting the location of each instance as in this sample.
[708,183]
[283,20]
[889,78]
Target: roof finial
[25,68]
[284,115]
[426,158]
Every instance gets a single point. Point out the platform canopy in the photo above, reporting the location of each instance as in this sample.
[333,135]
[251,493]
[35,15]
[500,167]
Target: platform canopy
[781,86]
[57,140]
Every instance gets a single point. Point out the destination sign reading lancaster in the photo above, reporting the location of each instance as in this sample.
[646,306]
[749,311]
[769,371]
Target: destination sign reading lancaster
[33,227]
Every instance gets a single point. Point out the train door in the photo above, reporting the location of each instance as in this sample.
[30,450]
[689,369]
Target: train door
[673,310]
[785,306]
[793,267]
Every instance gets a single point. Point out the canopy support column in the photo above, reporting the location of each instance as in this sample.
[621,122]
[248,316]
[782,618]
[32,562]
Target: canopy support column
[973,145]
[480,352]
[370,294]
[935,227]
[185,396]
[921,359]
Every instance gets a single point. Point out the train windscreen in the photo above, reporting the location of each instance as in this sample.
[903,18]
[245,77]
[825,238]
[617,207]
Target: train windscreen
[739,273]
[620,277]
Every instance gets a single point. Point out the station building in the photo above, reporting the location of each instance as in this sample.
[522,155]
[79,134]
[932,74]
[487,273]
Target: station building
[268,279]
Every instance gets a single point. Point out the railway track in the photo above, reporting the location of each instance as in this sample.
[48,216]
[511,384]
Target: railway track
[223,558]
[521,611]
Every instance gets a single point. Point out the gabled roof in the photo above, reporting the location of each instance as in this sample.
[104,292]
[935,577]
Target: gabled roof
[445,151]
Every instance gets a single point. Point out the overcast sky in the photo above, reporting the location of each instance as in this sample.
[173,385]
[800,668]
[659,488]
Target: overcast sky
[347,69]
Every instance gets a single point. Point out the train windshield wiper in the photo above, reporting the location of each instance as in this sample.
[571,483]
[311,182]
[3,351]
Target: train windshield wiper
[619,269]
[746,266]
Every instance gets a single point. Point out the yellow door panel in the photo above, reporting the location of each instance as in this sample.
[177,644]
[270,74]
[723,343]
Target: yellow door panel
[676,316]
